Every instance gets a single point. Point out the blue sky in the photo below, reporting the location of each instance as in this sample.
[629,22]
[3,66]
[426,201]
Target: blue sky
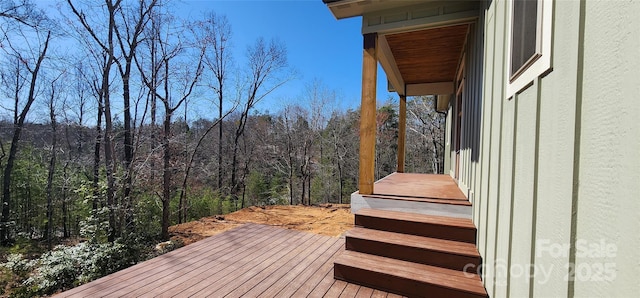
[319,46]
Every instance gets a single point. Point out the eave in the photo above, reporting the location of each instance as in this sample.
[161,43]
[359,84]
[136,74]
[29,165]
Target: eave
[342,9]
[420,43]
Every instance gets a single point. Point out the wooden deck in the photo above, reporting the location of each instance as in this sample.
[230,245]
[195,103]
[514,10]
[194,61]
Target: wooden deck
[251,261]
[427,186]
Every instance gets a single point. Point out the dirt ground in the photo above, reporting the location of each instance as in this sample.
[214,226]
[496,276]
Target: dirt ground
[330,220]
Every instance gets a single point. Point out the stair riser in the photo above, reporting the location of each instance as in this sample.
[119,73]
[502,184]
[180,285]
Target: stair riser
[467,235]
[439,209]
[411,254]
[394,284]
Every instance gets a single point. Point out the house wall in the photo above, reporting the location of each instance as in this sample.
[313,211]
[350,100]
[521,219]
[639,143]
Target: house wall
[471,109]
[608,202]
[558,174]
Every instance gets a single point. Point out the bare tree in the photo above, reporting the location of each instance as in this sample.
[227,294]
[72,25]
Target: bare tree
[425,123]
[170,45]
[267,66]
[107,46]
[216,33]
[386,140]
[319,100]
[32,65]
[89,84]
[286,164]
[52,160]
[74,113]
[129,32]
[23,12]
[341,138]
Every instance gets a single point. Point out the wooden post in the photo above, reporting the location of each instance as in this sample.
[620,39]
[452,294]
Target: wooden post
[368,114]
[402,132]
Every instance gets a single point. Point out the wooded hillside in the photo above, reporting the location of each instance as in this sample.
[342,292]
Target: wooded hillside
[119,120]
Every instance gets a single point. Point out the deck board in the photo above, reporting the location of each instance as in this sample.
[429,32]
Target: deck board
[195,269]
[364,292]
[251,280]
[379,294]
[250,260]
[351,290]
[284,275]
[431,186]
[135,274]
[243,266]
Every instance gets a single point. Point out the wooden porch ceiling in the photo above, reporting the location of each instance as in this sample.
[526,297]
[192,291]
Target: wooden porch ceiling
[428,56]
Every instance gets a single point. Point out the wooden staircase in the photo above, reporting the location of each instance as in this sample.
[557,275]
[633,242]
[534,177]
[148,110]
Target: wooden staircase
[413,255]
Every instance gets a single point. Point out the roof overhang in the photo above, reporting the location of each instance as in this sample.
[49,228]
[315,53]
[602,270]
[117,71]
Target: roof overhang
[420,42]
[342,9]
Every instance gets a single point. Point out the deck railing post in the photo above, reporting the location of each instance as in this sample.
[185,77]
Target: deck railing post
[402,132]
[368,114]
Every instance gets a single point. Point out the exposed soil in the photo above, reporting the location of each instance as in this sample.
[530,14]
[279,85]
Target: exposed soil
[330,220]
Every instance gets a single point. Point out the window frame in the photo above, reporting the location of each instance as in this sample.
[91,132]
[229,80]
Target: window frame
[540,63]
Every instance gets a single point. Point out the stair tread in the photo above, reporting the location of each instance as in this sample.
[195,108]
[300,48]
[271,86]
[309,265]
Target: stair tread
[418,218]
[441,245]
[458,202]
[442,277]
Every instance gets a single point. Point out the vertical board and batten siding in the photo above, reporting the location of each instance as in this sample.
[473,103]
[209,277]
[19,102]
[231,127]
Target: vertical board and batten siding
[608,197]
[471,106]
[523,199]
[475,49]
[485,125]
[557,130]
[486,118]
[560,162]
[512,160]
[500,245]
[493,141]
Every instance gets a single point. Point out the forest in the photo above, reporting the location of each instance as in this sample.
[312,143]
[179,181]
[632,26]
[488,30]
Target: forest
[118,120]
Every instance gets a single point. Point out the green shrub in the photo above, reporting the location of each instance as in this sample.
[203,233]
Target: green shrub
[68,266]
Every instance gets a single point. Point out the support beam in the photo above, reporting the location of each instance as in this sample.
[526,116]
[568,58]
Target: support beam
[429,89]
[402,132]
[442,102]
[388,63]
[368,114]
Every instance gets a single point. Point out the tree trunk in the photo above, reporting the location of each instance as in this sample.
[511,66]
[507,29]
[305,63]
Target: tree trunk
[128,148]
[220,137]
[340,180]
[96,158]
[291,186]
[64,198]
[5,236]
[183,193]
[52,169]
[166,184]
